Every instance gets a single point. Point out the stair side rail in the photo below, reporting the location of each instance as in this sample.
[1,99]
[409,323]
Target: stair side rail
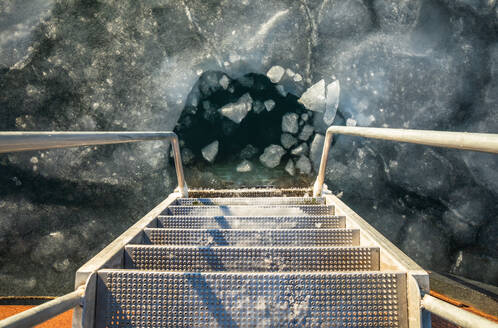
[37,140]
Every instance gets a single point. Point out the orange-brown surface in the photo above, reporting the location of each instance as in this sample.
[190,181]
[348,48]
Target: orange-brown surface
[61,321]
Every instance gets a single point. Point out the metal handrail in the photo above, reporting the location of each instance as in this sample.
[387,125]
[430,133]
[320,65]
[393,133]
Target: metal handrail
[454,314]
[483,142]
[24,141]
[44,312]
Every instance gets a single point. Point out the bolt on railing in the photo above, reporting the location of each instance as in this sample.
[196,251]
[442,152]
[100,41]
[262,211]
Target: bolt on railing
[483,142]
[24,141]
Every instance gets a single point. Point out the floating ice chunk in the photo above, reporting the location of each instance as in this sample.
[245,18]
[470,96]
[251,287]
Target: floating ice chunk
[350,122]
[289,123]
[258,106]
[306,132]
[289,167]
[248,152]
[305,117]
[275,73]
[303,164]
[281,90]
[317,148]
[314,98]
[187,156]
[287,140]
[272,155]
[244,166]
[289,72]
[224,82]
[302,149]
[237,111]
[210,151]
[332,102]
[269,104]
[298,77]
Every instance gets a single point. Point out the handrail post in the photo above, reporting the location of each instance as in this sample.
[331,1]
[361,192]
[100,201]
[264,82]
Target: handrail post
[318,186]
[182,185]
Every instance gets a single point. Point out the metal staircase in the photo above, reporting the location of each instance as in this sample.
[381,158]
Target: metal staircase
[251,262]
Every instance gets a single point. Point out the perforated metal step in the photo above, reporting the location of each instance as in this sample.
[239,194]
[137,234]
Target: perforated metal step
[259,210]
[252,201]
[252,222]
[267,237]
[251,259]
[128,298]
[250,192]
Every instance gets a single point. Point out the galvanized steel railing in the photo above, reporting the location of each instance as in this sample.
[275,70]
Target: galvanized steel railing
[483,142]
[23,141]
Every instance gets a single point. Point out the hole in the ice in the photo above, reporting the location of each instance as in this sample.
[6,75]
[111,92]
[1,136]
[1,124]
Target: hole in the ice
[228,123]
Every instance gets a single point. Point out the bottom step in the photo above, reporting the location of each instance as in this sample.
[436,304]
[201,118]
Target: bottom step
[165,299]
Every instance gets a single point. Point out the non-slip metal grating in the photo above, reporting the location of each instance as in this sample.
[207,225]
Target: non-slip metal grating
[267,237]
[251,259]
[250,192]
[252,222]
[259,210]
[252,201]
[163,299]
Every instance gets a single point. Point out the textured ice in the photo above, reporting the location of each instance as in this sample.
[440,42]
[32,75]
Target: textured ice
[290,168]
[224,82]
[244,166]
[289,123]
[272,155]
[303,164]
[314,98]
[306,132]
[248,152]
[238,111]
[210,151]
[287,140]
[275,73]
[302,149]
[316,149]
[332,102]
[269,104]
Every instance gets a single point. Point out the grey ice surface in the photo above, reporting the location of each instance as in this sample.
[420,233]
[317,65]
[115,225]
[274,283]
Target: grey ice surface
[306,132]
[134,65]
[272,155]
[210,151]
[287,140]
[289,123]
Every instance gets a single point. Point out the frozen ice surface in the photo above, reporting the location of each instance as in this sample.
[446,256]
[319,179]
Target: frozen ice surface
[287,140]
[397,16]
[316,149]
[248,152]
[302,149]
[244,166]
[332,102]
[269,104]
[290,168]
[272,155]
[306,132]
[289,123]
[275,73]
[224,82]
[238,111]
[303,164]
[314,98]
[210,151]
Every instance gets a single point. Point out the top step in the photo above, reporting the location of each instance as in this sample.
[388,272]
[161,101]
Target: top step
[250,192]
[252,201]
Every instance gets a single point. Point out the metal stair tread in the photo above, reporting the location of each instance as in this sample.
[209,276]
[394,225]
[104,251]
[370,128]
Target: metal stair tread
[262,237]
[232,299]
[266,210]
[253,258]
[254,201]
[251,222]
